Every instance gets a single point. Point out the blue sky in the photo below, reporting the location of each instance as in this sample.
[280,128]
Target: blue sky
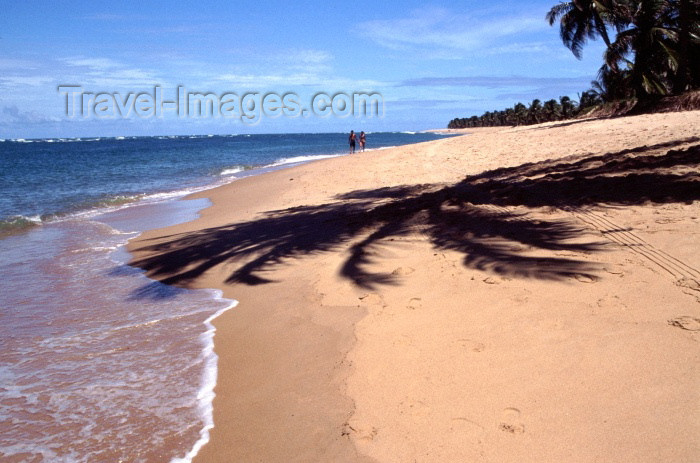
[431,62]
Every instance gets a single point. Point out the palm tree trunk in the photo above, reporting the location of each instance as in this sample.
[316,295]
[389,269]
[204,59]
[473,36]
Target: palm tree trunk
[685,22]
[642,47]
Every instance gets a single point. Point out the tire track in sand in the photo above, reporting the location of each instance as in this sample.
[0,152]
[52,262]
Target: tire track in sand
[683,274]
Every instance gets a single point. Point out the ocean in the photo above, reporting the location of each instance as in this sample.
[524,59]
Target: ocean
[98,362]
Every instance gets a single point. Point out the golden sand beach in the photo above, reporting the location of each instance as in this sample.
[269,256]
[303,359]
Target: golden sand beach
[526,294]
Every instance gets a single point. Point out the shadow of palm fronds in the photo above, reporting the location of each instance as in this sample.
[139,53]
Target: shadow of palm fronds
[467,217]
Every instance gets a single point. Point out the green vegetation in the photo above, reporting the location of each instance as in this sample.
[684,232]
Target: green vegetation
[654,54]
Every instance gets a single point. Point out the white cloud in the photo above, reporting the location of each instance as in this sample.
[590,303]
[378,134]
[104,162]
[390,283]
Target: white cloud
[285,70]
[305,61]
[495,81]
[11,82]
[284,82]
[107,73]
[13,115]
[113,17]
[308,56]
[532,47]
[443,34]
[263,80]
[12,64]
[92,63]
[32,83]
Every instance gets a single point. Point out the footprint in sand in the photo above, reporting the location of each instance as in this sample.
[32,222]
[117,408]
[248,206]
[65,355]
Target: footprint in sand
[510,421]
[688,283]
[491,281]
[403,271]
[686,323]
[667,220]
[474,346]
[466,423]
[614,271]
[415,303]
[611,302]
[372,299]
[363,434]
[586,278]
[368,434]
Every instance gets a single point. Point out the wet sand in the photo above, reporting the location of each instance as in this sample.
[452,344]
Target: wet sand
[516,294]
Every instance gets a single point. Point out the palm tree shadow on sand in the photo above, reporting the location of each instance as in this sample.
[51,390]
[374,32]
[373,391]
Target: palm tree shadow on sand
[468,217]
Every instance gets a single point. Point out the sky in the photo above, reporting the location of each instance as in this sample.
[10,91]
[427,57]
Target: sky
[99,68]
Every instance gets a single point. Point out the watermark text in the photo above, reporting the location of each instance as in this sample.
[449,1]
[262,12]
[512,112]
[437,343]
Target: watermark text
[247,107]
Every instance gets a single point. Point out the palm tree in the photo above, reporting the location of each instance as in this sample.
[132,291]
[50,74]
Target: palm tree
[510,116]
[534,112]
[588,99]
[648,48]
[520,113]
[552,110]
[688,22]
[613,85]
[568,108]
[581,20]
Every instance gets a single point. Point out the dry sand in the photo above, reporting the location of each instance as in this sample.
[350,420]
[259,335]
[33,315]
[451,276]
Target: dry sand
[415,304]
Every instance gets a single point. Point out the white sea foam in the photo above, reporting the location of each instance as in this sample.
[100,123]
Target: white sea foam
[298,159]
[232,171]
[21,221]
[32,218]
[205,396]
[94,249]
[120,341]
[132,201]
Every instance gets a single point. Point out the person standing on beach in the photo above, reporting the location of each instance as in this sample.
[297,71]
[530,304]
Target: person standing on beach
[352,141]
[363,140]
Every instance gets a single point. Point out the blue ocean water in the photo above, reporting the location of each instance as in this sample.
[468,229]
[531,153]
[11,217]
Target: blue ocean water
[42,179]
[97,362]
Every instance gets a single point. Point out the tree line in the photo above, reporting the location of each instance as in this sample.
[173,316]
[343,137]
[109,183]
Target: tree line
[654,52]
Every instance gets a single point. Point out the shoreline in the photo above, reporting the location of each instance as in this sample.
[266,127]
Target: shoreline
[337,341]
[310,352]
[18,221]
[96,319]
[74,242]
[177,212]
